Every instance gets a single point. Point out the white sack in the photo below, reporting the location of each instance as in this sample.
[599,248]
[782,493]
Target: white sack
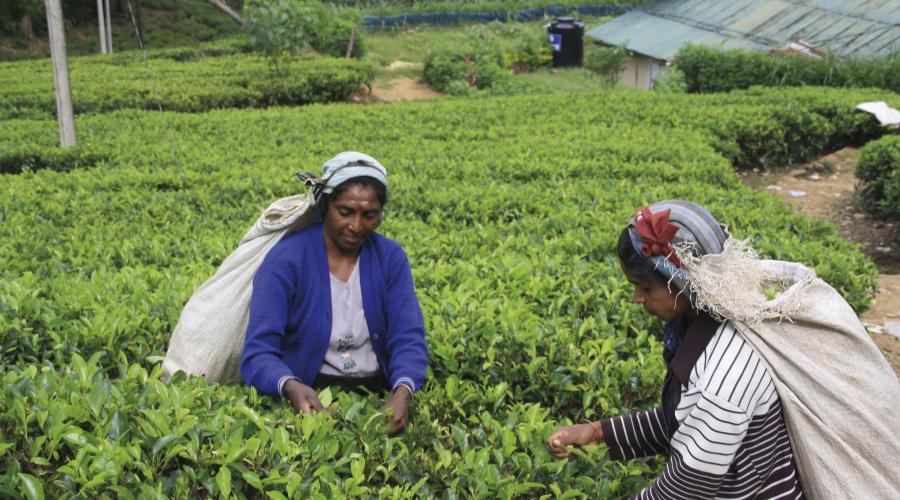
[841,399]
[209,337]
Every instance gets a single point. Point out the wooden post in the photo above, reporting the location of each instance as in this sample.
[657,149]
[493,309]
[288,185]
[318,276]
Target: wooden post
[102,22]
[60,72]
[108,27]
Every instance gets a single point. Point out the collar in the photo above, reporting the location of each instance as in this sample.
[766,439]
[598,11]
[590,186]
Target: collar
[697,335]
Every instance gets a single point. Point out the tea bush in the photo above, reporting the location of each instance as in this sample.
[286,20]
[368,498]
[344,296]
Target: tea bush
[487,61]
[879,170]
[177,81]
[282,28]
[709,69]
[509,210]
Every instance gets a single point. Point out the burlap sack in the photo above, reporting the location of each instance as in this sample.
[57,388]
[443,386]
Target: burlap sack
[209,337]
[841,398]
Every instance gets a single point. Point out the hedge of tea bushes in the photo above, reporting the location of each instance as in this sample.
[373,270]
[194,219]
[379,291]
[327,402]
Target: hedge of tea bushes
[879,170]
[175,81]
[509,210]
[710,69]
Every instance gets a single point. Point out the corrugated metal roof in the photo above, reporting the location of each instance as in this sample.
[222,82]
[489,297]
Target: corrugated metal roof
[847,28]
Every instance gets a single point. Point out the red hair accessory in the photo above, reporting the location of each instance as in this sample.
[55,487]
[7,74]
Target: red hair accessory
[656,232]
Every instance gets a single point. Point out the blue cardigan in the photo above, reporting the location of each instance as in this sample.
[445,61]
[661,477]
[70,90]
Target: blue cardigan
[290,312]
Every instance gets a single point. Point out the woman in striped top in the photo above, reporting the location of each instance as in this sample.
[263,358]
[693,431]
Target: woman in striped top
[721,419]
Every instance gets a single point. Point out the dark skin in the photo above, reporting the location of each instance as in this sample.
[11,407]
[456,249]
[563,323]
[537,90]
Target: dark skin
[349,221]
[657,301]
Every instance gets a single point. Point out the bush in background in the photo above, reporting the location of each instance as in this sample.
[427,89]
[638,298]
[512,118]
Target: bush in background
[487,62]
[608,62]
[879,170]
[670,80]
[284,28]
[708,69]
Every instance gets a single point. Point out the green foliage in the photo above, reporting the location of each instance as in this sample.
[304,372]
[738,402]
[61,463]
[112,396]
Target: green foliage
[708,69]
[167,23]
[283,28]
[670,80]
[509,209]
[486,60]
[178,80]
[879,170]
[608,62]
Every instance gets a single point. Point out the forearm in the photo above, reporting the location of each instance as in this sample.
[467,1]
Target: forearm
[637,435]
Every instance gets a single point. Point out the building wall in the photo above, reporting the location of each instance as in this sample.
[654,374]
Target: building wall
[640,71]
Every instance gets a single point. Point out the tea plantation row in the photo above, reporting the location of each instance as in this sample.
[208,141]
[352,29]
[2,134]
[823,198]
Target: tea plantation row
[179,80]
[509,209]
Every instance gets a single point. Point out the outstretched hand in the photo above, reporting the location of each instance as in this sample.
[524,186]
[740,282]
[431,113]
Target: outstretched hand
[577,435]
[303,397]
[398,410]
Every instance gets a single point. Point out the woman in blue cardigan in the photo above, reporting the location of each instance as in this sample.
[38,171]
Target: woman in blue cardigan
[334,304]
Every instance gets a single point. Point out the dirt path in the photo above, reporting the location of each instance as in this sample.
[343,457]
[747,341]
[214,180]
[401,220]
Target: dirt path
[825,189]
[399,88]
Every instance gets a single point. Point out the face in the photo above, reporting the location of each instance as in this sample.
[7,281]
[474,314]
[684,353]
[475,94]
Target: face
[351,217]
[658,300]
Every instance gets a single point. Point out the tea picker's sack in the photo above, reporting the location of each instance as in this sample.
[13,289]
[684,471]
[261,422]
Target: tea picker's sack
[841,399]
[209,337]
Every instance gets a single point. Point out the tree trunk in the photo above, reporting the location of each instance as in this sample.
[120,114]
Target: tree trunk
[138,19]
[25,27]
[226,9]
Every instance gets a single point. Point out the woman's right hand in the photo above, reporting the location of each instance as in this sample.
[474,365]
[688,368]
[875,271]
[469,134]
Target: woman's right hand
[302,396]
[577,435]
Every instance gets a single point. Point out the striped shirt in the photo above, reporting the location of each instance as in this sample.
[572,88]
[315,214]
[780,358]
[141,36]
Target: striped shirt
[721,422]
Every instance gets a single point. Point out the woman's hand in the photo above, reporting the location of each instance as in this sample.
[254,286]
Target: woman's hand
[399,403]
[578,435]
[302,396]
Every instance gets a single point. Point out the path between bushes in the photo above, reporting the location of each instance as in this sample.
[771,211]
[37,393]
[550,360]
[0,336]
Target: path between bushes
[402,88]
[824,189]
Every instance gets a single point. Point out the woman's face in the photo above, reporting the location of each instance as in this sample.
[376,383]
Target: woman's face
[658,300]
[351,217]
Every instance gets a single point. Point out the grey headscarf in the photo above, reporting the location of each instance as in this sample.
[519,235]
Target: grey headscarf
[697,229]
[341,168]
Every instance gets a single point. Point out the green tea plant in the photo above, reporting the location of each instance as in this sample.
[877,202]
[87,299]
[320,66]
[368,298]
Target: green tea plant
[879,170]
[709,69]
[179,81]
[509,209]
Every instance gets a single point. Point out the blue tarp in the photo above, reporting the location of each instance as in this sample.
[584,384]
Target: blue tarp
[451,18]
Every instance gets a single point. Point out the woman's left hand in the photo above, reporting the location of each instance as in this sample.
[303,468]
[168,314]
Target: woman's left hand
[399,403]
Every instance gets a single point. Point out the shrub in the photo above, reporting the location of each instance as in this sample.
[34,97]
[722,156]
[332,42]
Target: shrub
[708,69]
[608,62]
[487,61]
[879,170]
[284,28]
[670,80]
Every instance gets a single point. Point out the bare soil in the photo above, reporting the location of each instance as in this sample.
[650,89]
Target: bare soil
[402,88]
[825,189]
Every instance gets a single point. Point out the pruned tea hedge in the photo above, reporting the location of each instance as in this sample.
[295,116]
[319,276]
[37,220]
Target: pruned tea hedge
[101,84]
[509,209]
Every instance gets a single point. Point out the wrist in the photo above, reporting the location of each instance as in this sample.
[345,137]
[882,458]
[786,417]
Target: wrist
[403,391]
[291,386]
[595,431]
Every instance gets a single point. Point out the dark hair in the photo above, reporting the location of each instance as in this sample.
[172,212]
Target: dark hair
[363,180]
[636,265]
